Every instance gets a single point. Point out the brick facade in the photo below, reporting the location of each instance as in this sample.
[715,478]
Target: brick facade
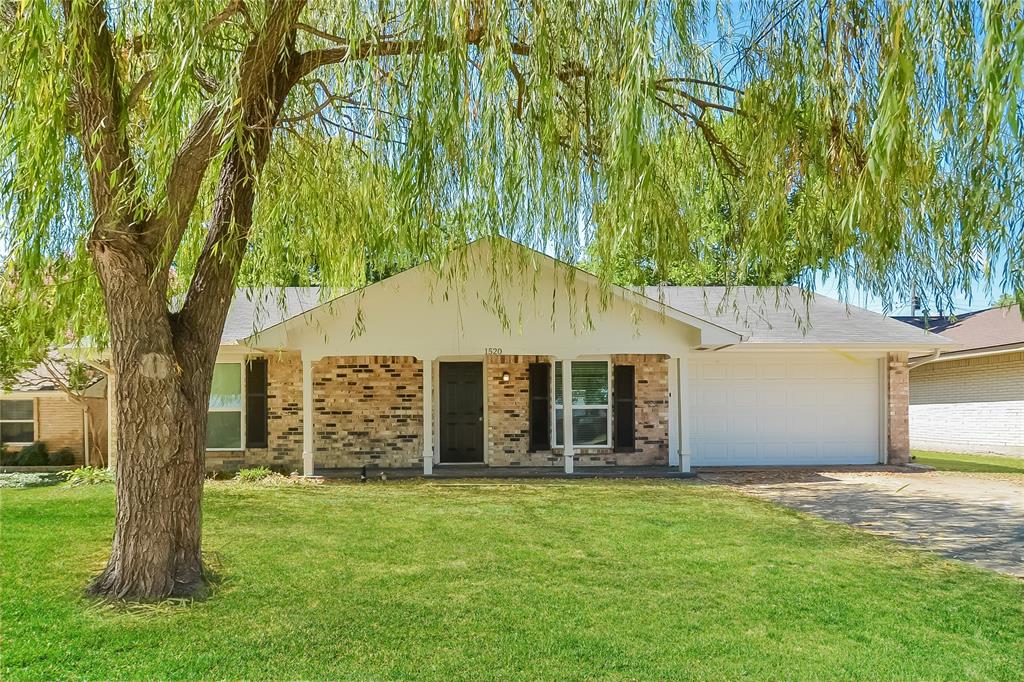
[969,405]
[61,423]
[508,411]
[284,422]
[651,411]
[898,409]
[368,411]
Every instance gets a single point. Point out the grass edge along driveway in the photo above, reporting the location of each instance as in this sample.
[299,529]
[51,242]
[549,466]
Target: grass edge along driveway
[504,580]
[969,463]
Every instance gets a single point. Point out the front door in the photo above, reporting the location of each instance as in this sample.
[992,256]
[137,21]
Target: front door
[462,412]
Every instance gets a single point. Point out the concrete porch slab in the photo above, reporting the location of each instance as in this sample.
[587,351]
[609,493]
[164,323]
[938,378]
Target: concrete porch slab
[456,471]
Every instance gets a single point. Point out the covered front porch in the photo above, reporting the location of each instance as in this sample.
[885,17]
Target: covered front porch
[413,372]
[490,412]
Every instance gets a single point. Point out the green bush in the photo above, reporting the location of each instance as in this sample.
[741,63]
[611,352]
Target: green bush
[62,457]
[9,458]
[34,455]
[87,476]
[253,475]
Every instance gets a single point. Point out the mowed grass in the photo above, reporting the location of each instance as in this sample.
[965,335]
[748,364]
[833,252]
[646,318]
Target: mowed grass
[504,580]
[954,461]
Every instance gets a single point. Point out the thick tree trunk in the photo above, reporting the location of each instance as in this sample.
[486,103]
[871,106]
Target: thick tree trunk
[160,444]
[164,361]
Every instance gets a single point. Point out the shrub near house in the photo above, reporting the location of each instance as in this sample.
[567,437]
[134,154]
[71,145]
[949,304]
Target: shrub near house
[36,455]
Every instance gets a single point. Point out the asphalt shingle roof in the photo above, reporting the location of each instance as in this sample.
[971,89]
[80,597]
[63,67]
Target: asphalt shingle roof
[763,315]
[786,315]
[52,375]
[253,310]
[980,329]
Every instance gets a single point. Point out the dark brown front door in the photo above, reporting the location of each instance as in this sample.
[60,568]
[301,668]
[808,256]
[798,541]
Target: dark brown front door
[462,412]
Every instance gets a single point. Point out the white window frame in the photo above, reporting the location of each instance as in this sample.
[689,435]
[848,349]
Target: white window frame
[607,408]
[241,410]
[35,435]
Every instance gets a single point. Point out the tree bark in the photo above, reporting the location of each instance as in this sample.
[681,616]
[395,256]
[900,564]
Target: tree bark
[164,366]
[161,445]
[163,361]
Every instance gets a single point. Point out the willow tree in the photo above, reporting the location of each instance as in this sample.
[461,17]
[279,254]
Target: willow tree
[154,154]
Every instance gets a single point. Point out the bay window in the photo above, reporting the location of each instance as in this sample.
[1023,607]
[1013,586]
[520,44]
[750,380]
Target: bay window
[17,422]
[589,403]
[224,418]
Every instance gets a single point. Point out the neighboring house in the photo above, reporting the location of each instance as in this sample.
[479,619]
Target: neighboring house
[38,407]
[427,368]
[971,399]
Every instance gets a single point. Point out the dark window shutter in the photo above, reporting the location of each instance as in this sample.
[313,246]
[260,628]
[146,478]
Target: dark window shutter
[256,403]
[625,407]
[540,406]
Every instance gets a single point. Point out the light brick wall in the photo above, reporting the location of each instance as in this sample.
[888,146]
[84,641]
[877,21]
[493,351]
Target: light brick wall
[969,405]
[651,410]
[368,411]
[59,425]
[508,412]
[898,404]
[284,422]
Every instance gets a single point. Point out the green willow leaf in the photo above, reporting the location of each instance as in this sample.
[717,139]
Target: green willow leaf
[678,141]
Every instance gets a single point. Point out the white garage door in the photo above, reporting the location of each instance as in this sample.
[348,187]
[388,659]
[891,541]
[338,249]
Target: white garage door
[774,408]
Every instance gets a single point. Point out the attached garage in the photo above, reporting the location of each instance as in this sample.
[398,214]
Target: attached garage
[776,408]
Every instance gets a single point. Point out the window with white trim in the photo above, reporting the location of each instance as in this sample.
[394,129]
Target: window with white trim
[590,400]
[224,418]
[17,422]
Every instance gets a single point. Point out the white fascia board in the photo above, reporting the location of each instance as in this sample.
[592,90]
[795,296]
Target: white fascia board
[948,356]
[817,346]
[711,334]
[235,351]
[55,393]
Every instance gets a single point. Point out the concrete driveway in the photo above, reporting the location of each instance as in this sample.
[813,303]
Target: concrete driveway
[971,517]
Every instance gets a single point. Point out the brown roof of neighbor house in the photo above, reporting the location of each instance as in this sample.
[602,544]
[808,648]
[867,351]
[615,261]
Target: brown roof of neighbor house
[53,374]
[983,329]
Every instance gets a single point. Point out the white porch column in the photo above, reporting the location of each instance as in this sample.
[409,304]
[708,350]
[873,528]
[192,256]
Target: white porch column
[673,412]
[307,417]
[568,452]
[428,416]
[683,415]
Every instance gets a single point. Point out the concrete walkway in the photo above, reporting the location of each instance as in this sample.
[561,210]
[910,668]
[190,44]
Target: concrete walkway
[970,517]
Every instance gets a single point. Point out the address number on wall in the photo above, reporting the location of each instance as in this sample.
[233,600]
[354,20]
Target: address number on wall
[492,351]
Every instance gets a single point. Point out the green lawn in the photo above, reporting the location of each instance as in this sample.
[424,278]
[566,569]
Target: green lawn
[953,461]
[535,580]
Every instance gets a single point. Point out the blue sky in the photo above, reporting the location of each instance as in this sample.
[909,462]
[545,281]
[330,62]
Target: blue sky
[981,297]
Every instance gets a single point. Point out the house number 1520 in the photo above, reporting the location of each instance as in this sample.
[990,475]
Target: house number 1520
[492,351]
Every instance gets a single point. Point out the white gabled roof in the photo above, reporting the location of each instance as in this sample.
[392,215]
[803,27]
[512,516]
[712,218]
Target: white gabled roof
[758,316]
[306,300]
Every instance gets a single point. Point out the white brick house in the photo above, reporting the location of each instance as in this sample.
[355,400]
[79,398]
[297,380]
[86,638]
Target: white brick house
[971,399]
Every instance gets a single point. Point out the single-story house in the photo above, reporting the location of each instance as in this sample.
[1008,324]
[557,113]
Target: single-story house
[971,398]
[39,407]
[468,363]
[425,369]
